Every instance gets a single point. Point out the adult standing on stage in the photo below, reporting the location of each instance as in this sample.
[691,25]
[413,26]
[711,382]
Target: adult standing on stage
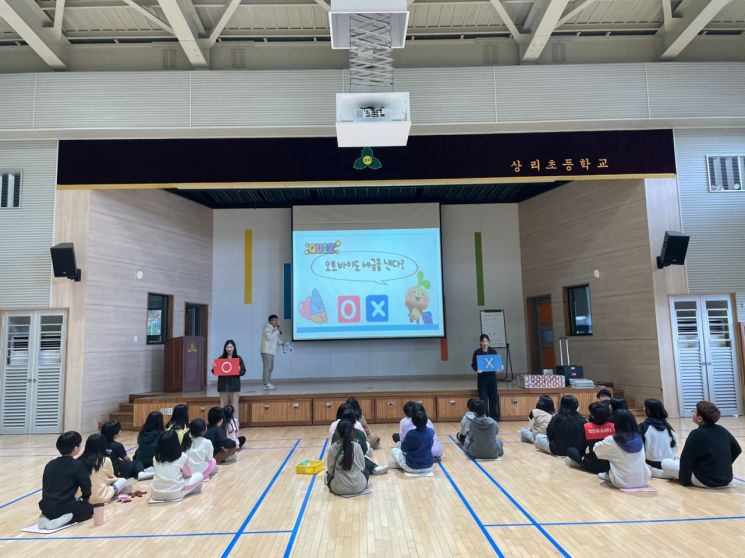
[229,387]
[269,341]
[487,381]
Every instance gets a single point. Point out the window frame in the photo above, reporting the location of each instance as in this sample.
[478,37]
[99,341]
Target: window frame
[740,166]
[571,317]
[166,319]
[19,188]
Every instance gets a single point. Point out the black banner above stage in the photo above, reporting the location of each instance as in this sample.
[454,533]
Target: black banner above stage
[280,162]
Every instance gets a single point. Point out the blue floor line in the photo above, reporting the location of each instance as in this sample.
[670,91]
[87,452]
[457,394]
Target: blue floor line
[270,532]
[116,537]
[254,509]
[6,504]
[475,517]
[299,520]
[529,517]
[640,521]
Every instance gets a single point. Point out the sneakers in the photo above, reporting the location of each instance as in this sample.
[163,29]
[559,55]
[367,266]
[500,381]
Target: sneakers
[380,470]
[147,474]
[52,524]
[231,458]
[270,387]
[603,476]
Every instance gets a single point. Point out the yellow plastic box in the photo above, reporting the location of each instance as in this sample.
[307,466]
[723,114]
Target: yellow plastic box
[309,467]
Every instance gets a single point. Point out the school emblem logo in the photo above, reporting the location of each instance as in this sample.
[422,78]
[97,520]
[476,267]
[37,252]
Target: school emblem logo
[367,160]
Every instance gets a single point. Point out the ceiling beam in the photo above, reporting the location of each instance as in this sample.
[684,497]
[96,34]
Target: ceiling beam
[506,19]
[59,11]
[547,16]
[225,17]
[30,22]
[179,14]
[684,29]
[149,15]
[667,14]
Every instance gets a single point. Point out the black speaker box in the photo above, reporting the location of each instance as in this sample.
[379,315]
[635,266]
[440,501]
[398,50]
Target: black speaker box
[63,261]
[674,249]
[570,371]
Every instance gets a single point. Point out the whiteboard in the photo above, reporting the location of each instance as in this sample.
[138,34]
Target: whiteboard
[492,323]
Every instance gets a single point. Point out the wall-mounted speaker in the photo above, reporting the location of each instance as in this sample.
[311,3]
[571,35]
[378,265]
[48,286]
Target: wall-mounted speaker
[674,249]
[63,261]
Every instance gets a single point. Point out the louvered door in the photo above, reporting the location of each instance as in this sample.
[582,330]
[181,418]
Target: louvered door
[705,353]
[32,372]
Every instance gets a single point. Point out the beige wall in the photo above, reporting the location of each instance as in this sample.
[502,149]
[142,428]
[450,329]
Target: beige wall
[166,237]
[569,233]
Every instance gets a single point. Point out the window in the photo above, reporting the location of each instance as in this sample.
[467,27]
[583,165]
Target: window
[10,190]
[157,319]
[579,311]
[724,173]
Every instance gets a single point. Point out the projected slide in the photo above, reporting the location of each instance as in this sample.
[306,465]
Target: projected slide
[353,284]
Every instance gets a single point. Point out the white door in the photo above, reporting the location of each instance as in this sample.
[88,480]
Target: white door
[32,372]
[706,353]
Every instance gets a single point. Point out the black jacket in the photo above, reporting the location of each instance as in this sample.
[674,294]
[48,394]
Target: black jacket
[219,439]
[709,453]
[566,431]
[62,478]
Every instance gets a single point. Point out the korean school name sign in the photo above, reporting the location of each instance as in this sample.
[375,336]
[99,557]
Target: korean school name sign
[285,162]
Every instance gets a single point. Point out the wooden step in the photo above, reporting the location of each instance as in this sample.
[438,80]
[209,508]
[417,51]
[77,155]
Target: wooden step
[126,407]
[121,416]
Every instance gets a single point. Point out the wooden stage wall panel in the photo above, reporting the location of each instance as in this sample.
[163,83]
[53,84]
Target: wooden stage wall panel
[305,409]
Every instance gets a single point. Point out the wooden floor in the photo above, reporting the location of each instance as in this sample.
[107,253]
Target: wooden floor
[527,504]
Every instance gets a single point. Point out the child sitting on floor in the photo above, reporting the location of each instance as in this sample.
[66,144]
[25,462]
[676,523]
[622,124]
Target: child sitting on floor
[481,440]
[708,454]
[415,453]
[566,429]
[124,466]
[660,440]
[339,412]
[407,424]
[231,426]
[625,451]
[345,462]
[223,447]
[201,453]
[466,421]
[598,428]
[173,478]
[147,441]
[62,478]
[349,414]
[372,438]
[104,484]
[179,422]
[538,419]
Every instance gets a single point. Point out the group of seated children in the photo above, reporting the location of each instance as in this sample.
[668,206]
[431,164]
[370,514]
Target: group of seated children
[348,461]
[478,432]
[178,457]
[613,446]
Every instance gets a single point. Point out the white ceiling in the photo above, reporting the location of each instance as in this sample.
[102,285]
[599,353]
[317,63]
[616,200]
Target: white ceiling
[196,24]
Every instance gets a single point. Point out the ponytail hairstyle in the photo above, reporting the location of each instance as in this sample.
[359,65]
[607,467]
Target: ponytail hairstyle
[94,453]
[654,408]
[345,430]
[110,430]
[228,412]
[352,402]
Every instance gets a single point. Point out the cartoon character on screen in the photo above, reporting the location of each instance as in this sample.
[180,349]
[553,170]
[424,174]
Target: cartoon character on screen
[417,300]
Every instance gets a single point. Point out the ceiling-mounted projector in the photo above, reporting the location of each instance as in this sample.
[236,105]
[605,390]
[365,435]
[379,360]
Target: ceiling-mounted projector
[372,119]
